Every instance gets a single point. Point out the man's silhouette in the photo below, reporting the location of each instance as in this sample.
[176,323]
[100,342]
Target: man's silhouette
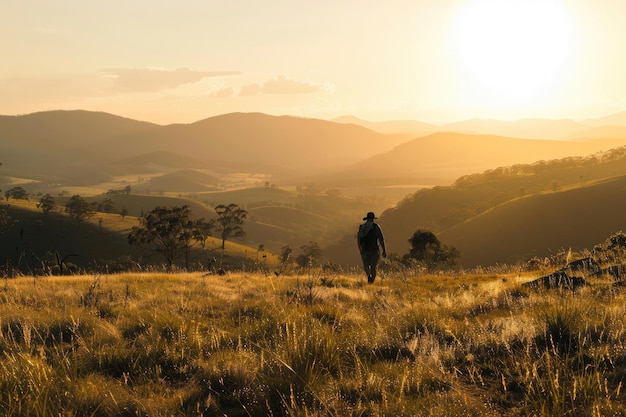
[370,240]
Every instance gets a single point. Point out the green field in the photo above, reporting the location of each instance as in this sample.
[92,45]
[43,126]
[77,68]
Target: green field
[316,344]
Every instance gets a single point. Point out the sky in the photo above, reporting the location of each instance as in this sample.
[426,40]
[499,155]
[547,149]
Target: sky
[435,61]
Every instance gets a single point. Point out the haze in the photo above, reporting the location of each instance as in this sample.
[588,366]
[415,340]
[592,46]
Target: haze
[436,61]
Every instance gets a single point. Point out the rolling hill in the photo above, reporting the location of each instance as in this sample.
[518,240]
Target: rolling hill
[31,243]
[449,211]
[541,225]
[181,181]
[86,148]
[256,142]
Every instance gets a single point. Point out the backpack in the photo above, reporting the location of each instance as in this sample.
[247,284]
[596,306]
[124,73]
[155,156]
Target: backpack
[367,241]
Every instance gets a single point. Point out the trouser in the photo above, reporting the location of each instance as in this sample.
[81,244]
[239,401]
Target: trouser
[370,260]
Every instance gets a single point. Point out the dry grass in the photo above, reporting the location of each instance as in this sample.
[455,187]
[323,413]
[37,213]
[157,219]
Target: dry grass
[251,344]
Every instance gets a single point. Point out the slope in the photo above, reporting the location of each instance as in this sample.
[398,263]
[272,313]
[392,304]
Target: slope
[261,143]
[441,208]
[541,225]
[31,243]
[70,147]
[61,146]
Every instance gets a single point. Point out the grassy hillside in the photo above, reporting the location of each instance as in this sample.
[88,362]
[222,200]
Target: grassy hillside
[33,241]
[251,344]
[441,208]
[276,218]
[541,225]
[180,181]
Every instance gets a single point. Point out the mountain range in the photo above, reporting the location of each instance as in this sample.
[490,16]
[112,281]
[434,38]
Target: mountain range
[79,148]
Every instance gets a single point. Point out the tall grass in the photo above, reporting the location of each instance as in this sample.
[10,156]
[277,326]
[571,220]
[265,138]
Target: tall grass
[252,344]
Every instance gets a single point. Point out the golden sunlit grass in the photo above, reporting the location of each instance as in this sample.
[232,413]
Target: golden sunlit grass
[250,344]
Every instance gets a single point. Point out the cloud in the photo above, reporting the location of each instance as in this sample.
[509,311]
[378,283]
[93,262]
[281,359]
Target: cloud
[251,90]
[224,92]
[282,85]
[149,80]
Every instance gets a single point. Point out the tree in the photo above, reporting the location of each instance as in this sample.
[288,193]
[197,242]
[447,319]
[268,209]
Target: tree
[202,230]
[230,219]
[429,251]
[123,212]
[78,208]
[46,203]
[5,219]
[17,193]
[285,259]
[107,206]
[311,254]
[169,232]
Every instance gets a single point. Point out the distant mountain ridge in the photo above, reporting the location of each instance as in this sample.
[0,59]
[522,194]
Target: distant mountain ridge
[532,128]
[41,144]
[90,147]
[445,155]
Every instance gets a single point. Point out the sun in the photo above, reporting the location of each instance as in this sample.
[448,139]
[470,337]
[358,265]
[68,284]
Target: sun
[511,49]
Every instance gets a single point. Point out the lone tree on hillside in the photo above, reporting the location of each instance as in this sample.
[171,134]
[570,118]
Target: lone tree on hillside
[427,250]
[170,232]
[311,255]
[5,219]
[16,193]
[46,203]
[78,208]
[107,206]
[230,219]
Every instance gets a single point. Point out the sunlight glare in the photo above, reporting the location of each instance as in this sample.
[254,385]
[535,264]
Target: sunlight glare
[512,48]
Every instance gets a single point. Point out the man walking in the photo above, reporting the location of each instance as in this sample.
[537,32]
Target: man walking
[369,237]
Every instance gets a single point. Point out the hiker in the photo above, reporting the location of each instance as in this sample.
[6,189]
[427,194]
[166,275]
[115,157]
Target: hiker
[369,237]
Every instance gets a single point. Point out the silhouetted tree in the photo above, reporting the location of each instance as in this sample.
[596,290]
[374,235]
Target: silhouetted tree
[5,220]
[123,212]
[46,203]
[230,219]
[427,250]
[17,193]
[106,206]
[202,230]
[78,208]
[285,259]
[311,254]
[169,232]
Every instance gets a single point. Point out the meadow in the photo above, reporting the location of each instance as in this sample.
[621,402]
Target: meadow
[315,344]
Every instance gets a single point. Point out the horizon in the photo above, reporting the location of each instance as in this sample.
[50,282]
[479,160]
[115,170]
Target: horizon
[332,119]
[437,63]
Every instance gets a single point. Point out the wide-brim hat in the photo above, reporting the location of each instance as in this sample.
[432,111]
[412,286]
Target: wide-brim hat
[370,215]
